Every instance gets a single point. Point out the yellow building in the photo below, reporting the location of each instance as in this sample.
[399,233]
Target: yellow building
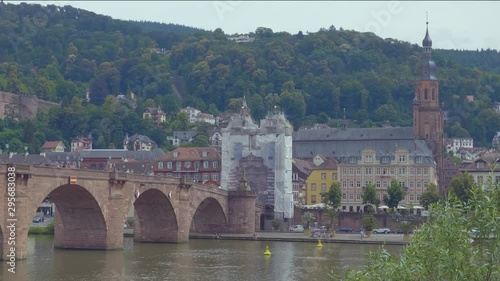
[323,174]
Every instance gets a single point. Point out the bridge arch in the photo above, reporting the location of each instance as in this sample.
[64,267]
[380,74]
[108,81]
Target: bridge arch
[79,219]
[155,218]
[209,217]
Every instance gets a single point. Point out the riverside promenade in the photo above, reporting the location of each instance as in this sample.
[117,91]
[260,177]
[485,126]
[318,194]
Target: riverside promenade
[346,238]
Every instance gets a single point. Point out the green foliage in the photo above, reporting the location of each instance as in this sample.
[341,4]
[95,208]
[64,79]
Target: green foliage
[276,223]
[49,229]
[394,194]
[429,196]
[406,226]
[369,222]
[370,195]
[444,247]
[332,215]
[462,186]
[307,219]
[333,197]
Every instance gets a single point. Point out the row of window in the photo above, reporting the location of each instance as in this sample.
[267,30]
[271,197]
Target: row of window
[195,177]
[187,164]
[383,184]
[385,159]
[411,197]
[386,171]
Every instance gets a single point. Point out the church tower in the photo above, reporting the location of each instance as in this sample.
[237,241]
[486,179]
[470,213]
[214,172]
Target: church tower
[427,114]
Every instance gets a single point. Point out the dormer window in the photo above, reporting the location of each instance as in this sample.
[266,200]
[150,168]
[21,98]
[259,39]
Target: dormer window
[176,154]
[426,93]
[418,159]
[385,159]
[368,158]
[480,165]
[352,159]
[204,153]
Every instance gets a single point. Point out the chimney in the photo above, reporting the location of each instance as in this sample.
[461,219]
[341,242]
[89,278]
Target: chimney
[42,154]
[11,154]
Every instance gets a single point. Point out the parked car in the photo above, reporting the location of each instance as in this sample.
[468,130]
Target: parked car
[37,219]
[345,230]
[359,230]
[400,231]
[381,230]
[297,228]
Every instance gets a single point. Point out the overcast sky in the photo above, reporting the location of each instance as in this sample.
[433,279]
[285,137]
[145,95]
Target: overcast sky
[452,25]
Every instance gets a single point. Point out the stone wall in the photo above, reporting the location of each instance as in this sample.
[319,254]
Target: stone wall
[28,105]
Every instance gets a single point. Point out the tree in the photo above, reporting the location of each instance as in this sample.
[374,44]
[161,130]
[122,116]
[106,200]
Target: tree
[333,197]
[200,141]
[451,255]
[429,196]
[394,194]
[462,186]
[370,195]
[307,219]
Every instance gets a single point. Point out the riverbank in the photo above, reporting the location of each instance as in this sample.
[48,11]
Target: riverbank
[346,238]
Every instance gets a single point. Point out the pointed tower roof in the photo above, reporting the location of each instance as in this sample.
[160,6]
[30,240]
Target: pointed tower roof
[427,42]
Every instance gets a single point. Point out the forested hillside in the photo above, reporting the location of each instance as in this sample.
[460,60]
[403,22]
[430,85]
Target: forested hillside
[60,53]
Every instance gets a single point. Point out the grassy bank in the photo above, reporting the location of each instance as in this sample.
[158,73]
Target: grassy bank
[49,229]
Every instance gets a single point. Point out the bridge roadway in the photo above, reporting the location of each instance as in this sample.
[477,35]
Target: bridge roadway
[91,207]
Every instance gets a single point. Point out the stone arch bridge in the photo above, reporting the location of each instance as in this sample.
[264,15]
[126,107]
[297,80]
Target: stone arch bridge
[91,207]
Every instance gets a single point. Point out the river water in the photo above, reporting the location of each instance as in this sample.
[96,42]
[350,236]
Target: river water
[200,260]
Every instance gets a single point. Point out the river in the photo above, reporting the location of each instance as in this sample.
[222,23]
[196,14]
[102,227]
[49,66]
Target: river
[225,260]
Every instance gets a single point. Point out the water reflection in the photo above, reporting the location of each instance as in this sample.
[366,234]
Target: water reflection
[196,260]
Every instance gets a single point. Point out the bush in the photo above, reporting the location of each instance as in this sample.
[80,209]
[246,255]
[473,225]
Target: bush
[369,222]
[49,229]
[445,248]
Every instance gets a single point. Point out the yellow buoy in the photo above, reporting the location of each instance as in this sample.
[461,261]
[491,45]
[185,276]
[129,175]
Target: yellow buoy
[267,252]
[319,243]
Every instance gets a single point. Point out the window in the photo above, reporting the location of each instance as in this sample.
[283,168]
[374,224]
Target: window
[402,171]
[344,197]
[386,159]
[412,184]
[497,179]
[426,94]
[358,197]
[368,171]
[160,165]
[187,164]
[384,171]
[351,171]
[352,159]
[411,171]
[178,166]
[433,94]
[358,171]
[196,165]
[378,196]
[384,184]
[215,177]
[426,184]
[196,177]
[204,153]
[418,159]
[313,199]
[205,164]
[426,171]
[480,165]
[313,187]
[205,177]
[169,165]
[378,171]
[418,197]
[419,184]
[392,171]
[402,184]
[323,176]
[176,154]
[215,164]
[368,158]
[323,187]
[411,197]
[334,176]
[351,184]
[351,196]
[344,171]
[358,183]
[402,158]
[377,184]
[419,172]
[344,184]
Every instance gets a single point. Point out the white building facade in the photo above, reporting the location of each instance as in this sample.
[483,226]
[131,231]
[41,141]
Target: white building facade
[264,154]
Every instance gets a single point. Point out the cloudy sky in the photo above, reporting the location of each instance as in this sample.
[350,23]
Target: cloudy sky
[452,25]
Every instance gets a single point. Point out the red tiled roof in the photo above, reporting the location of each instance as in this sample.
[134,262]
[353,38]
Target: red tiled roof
[192,153]
[51,144]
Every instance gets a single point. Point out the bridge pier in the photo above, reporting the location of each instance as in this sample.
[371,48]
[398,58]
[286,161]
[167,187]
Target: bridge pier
[241,211]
